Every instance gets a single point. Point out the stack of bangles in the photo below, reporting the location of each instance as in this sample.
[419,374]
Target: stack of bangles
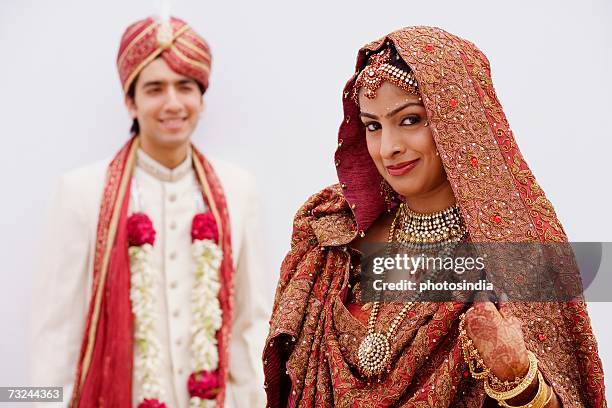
[499,390]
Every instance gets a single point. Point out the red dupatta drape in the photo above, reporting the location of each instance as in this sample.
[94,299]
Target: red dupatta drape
[310,354]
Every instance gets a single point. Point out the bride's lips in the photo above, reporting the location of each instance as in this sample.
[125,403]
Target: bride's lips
[402,168]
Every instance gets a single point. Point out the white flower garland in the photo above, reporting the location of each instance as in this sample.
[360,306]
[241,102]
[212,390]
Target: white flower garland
[206,311]
[147,353]
[207,317]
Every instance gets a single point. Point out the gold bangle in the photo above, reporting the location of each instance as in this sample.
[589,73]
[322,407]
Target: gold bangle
[523,385]
[539,401]
[550,395]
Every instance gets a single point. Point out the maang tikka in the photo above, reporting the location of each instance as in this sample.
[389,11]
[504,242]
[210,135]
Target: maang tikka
[378,70]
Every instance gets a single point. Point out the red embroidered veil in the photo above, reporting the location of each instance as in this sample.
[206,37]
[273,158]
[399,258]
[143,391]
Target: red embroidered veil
[311,351]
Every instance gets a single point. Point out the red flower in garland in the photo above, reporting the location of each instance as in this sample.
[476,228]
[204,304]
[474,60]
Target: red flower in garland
[204,226]
[140,230]
[203,384]
[151,403]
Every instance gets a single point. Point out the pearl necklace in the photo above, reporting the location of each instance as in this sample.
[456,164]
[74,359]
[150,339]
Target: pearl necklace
[414,230]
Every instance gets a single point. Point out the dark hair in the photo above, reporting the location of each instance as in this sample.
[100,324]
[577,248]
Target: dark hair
[397,61]
[135,129]
[131,93]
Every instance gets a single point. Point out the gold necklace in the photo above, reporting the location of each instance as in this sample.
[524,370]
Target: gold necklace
[424,231]
[434,229]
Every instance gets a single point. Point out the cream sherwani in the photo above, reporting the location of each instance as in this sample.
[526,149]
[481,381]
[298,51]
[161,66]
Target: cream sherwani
[171,198]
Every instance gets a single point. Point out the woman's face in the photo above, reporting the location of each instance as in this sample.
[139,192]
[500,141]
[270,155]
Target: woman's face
[400,142]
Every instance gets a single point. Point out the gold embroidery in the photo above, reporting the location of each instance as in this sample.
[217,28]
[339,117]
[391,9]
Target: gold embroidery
[314,336]
[151,57]
[136,39]
[127,173]
[140,67]
[188,60]
[207,192]
[202,53]
[135,27]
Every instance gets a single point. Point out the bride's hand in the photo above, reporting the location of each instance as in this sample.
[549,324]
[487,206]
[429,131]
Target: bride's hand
[499,339]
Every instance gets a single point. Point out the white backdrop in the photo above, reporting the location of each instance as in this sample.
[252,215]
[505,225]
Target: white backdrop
[274,106]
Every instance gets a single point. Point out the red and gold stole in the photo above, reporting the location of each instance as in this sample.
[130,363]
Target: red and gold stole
[104,374]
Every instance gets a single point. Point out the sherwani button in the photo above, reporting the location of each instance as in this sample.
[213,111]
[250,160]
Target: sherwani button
[178,342]
[173,284]
[172,197]
[172,255]
[176,313]
[173,225]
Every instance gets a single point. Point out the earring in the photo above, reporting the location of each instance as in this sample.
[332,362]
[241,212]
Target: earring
[426,123]
[388,194]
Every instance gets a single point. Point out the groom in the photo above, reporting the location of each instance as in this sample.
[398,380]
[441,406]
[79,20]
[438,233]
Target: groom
[147,291]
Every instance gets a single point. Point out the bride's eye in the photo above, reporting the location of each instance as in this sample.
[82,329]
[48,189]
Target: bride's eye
[372,126]
[411,120]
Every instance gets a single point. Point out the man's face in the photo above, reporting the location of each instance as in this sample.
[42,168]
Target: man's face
[166,104]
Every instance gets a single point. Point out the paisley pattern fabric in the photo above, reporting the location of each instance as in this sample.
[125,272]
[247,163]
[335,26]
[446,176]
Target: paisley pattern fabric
[310,358]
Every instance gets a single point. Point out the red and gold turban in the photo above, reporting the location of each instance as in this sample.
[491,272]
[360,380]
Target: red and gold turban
[182,48]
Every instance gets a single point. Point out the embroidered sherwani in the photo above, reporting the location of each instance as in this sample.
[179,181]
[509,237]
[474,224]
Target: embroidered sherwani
[170,198]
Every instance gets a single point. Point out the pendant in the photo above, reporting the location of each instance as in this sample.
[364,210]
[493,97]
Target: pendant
[374,354]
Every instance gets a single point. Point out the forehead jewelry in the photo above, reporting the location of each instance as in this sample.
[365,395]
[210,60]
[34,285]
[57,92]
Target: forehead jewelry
[380,70]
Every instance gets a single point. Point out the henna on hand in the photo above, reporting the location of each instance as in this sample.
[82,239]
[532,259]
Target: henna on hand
[498,339]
